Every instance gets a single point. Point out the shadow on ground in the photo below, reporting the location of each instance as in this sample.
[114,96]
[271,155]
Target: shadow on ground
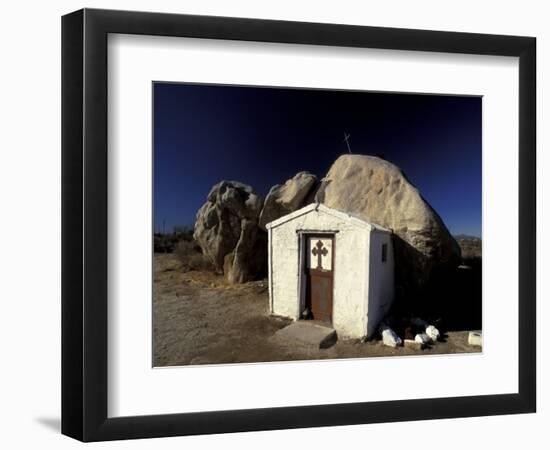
[452,298]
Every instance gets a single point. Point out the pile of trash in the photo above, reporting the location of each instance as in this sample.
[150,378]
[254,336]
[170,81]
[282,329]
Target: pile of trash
[417,333]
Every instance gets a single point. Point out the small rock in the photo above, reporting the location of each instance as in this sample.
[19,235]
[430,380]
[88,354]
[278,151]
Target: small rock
[389,338]
[475,338]
[306,314]
[409,343]
[422,338]
[433,333]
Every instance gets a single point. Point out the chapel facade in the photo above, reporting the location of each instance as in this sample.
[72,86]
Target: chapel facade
[332,267]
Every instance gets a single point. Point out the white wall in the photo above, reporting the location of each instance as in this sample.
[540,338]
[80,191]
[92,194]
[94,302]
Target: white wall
[350,282]
[381,280]
[30,198]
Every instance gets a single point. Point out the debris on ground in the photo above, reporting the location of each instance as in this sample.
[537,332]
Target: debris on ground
[433,333]
[306,314]
[389,338]
[423,339]
[412,344]
[411,329]
[475,338]
[426,328]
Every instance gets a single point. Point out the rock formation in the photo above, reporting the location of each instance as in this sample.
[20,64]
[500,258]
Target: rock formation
[287,198]
[227,231]
[230,226]
[378,192]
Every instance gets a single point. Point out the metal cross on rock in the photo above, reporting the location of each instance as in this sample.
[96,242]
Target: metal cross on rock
[319,251]
[346,140]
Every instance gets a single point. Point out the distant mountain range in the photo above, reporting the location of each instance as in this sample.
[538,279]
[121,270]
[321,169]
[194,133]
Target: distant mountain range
[469,245]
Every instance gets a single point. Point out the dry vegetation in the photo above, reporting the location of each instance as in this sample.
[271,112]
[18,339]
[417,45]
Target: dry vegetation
[191,257]
[470,246]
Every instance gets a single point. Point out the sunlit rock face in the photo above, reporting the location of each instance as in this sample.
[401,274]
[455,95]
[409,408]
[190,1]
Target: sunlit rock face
[288,197]
[227,231]
[377,191]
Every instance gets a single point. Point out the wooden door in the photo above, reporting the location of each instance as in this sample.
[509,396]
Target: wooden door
[319,272]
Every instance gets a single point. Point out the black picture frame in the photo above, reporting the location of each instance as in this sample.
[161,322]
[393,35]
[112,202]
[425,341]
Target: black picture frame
[84,224]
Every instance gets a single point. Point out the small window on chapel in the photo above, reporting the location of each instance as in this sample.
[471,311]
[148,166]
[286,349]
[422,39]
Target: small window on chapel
[384,252]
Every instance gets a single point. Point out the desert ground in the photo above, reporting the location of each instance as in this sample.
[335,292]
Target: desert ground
[199,318]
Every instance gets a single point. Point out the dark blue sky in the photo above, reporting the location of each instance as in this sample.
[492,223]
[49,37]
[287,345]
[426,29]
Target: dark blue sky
[262,136]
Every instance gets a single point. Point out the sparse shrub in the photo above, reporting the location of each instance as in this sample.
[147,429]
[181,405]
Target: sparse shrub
[166,242]
[191,257]
[183,233]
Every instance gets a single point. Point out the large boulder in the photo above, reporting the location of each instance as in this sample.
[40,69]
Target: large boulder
[284,199]
[377,191]
[227,231]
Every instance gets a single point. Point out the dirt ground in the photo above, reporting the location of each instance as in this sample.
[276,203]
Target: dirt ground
[198,318]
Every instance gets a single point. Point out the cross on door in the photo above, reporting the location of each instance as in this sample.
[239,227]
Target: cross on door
[319,251]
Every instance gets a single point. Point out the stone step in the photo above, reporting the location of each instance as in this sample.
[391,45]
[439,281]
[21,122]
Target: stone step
[307,333]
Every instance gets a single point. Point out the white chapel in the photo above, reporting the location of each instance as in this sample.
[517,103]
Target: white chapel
[332,267]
